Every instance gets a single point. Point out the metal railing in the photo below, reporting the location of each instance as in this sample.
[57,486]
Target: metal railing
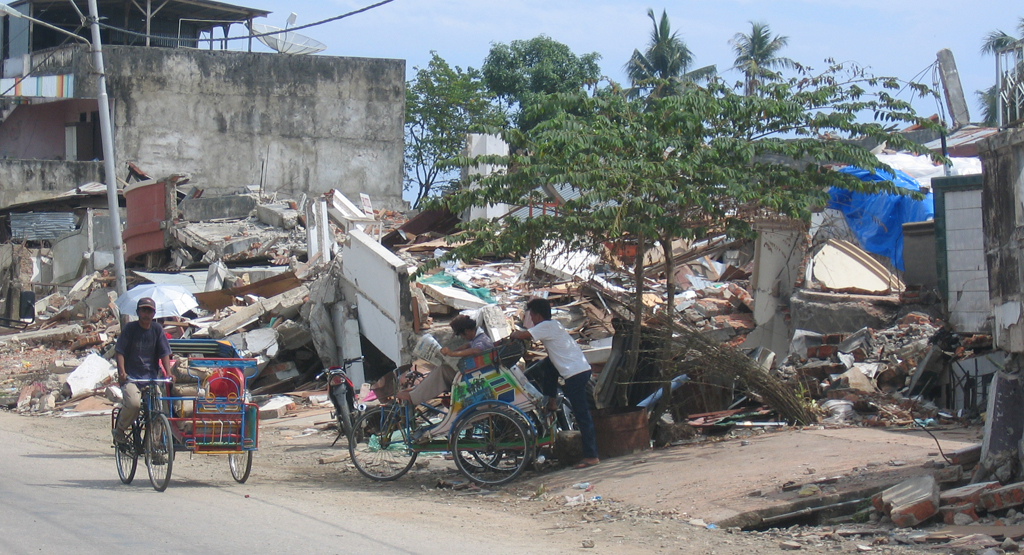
[1010,85]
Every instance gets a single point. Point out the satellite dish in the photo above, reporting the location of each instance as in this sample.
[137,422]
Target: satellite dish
[287,42]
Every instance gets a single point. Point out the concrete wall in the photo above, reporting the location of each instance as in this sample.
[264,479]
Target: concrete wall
[318,122]
[30,180]
[36,131]
[1002,158]
[961,252]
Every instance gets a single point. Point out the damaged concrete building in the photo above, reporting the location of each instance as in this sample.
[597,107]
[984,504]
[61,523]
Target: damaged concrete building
[183,103]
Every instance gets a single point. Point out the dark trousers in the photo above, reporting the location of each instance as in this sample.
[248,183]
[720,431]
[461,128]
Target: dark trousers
[575,390]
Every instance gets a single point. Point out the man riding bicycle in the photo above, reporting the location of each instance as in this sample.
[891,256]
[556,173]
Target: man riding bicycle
[141,349]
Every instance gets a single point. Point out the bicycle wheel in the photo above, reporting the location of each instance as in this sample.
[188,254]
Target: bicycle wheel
[379,444]
[241,464]
[565,418]
[501,443]
[159,451]
[127,454]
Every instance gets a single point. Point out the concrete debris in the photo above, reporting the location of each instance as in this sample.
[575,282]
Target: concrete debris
[909,503]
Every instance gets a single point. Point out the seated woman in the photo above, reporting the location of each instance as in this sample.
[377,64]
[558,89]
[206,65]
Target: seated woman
[440,379]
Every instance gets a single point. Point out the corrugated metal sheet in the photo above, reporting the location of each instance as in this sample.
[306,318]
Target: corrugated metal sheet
[193,282]
[965,136]
[41,226]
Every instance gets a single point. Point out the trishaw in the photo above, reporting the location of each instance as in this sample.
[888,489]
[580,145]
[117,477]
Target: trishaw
[493,426]
[215,417]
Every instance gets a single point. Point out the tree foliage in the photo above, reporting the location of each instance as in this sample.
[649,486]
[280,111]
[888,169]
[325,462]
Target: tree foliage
[522,72]
[442,104]
[706,161]
[757,54]
[666,60]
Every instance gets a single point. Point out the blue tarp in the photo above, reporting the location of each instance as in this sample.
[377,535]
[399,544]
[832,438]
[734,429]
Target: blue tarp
[877,220]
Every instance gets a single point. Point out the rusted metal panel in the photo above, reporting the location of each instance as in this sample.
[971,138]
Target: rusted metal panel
[151,207]
[621,431]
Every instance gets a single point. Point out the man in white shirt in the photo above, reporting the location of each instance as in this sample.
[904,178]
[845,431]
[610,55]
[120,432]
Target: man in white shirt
[565,359]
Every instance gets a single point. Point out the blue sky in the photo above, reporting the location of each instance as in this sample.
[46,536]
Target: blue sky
[893,37]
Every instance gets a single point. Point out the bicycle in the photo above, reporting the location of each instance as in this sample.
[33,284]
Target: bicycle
[493,428]
[150,435]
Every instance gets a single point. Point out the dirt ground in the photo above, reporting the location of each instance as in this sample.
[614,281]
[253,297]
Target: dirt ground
[656,501]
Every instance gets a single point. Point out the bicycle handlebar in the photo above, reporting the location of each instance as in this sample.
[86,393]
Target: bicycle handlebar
[149,380]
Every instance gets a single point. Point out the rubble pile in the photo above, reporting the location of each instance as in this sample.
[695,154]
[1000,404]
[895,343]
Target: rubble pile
[879,377]
[71,328]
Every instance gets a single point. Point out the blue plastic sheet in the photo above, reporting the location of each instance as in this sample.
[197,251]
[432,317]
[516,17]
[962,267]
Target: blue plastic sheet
[877,220]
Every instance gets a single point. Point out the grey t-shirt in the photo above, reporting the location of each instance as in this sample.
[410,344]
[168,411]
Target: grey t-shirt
[142,350]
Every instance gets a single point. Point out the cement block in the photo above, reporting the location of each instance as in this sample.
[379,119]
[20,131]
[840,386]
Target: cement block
[713,307]
[958,514]
[1004,497]
[838,316]
[911,502]
[949,475]
[217,208]
[967,494]
[278,215]
[292,335]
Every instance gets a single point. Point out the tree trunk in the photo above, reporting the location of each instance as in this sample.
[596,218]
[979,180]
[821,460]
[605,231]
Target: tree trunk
[670,289]
[666,350]
[638,318]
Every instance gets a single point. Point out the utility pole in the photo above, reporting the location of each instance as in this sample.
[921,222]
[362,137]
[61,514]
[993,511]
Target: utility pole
[106,134]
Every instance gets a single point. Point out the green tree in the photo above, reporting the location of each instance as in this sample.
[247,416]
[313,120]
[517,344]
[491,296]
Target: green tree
[993,42]
[442,104]
[703,162]
[666,60]
[522,72]
[757,55]
[989,106]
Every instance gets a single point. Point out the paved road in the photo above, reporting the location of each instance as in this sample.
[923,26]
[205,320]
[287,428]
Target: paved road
[60,496]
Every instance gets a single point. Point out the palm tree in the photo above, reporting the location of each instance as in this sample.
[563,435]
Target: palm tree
[757,54]
[989,107]
[666,58]
[994,42]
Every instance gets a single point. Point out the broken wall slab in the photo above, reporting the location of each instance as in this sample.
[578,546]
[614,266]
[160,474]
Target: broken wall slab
[204,209]
[323,294]
[839,313]
[278,215]
[319,236]
[288,300]
[59,333]
[344,213]
[778,254]
[459,299]
[1003,427]
[843,266]
[380,283]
